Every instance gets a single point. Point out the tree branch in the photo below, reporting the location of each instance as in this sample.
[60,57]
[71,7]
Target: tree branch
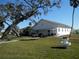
[28,3]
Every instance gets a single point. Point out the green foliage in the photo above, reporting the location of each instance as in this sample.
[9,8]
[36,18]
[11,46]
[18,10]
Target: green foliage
[26,31]
[22,10]
[74,3]
[76,31]
[16,13]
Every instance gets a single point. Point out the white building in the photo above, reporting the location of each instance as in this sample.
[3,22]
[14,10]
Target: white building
[45,27]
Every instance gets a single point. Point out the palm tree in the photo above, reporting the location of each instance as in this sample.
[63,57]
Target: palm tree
[74,4]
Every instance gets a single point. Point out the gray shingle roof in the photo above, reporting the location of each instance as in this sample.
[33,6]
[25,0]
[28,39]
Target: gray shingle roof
[50,24]
[56,23]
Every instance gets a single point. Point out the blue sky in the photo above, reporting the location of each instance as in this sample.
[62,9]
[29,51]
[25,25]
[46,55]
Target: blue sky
[61,15]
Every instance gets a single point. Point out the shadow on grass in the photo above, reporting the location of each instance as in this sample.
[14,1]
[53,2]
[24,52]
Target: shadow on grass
[59,47]
[28,39]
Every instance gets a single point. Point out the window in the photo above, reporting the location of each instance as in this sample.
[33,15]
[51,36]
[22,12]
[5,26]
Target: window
[65,30]
[59,29]
[37,31]
[62,29]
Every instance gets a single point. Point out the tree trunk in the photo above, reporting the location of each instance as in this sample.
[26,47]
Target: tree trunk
[16,31]
[72,22]
[17,21]
[10,28]
[6,32]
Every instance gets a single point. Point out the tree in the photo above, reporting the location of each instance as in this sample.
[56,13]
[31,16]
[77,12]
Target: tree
[16,13]
[74,4]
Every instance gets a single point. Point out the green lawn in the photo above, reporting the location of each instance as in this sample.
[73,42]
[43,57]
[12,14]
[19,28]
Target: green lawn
[38,49]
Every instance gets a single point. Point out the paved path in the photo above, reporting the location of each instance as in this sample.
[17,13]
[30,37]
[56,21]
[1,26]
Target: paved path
[28,38]
[8,41]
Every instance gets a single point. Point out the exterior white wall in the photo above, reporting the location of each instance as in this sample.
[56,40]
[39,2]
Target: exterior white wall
[63,31]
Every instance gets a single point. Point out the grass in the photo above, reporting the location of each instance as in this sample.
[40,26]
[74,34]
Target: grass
[39,49]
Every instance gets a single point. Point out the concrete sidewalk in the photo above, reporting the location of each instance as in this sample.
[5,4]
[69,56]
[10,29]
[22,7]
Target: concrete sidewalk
[1,42]
[22,38]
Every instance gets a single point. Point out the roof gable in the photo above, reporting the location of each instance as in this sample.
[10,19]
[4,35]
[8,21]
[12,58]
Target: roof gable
[45,24]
